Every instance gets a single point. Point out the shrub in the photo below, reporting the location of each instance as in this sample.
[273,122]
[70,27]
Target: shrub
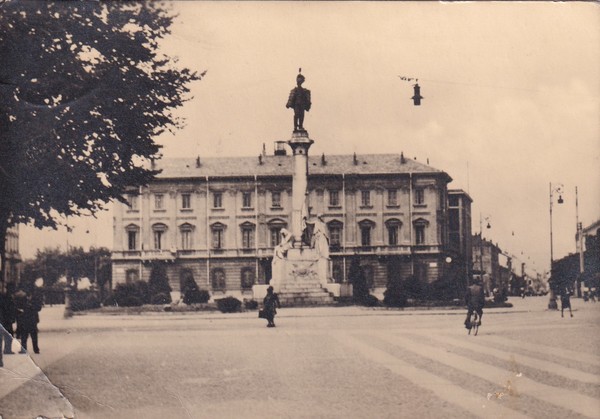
[414,289]
[160,298]
[229,305]
[356,276]
[251,304]
[159,282]
[84,300]
[394,295]
[130,295]
[370,301]
[110,301]
[192,294]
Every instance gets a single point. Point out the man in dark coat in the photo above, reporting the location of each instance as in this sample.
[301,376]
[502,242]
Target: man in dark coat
[29,319]
[271,303]
[8,317]
[475,300]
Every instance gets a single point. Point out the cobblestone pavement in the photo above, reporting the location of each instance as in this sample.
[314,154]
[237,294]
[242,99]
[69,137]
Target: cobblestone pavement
[346,362]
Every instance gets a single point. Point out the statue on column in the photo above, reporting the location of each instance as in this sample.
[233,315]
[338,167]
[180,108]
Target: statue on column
[320,237]
[299,101]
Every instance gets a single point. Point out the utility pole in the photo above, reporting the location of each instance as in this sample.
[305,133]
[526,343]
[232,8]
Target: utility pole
[579,245]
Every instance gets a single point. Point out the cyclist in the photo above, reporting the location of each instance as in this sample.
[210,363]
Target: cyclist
[475,299]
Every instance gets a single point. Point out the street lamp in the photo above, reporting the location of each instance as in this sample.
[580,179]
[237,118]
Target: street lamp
[552,305]
[488,226]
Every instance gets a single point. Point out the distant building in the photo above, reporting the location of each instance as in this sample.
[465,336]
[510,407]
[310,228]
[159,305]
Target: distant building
[12,269]
[460,241]
[218,219]
[486,263]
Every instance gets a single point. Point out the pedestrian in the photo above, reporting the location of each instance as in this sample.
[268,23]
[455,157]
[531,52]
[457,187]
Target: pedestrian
[270,304]
[475,300]
[29,319]
[8,318]
[565,302]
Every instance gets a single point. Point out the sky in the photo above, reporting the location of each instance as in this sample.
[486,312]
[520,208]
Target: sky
[511,101]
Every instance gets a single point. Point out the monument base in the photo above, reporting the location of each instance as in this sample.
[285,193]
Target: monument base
[302,278]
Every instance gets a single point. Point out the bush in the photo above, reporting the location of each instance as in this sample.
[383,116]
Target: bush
[159,282]
[110,301]
[229,305]
[192,294]
[160,298]
[251,304]
[394,295]
[84,300]
[356,276]
[131,295]
[370,301]
[415,289]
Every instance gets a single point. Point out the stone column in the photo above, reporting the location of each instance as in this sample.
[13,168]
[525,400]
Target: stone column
[300,143]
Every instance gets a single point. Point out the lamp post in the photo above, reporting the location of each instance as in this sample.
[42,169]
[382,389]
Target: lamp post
[488,226]
[552,305]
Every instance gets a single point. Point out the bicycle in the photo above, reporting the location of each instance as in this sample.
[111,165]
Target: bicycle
[474,323]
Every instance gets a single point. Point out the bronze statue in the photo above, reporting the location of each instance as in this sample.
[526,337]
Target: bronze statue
[299,100]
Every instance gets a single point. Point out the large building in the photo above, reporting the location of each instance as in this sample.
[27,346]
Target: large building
[460,240]
[12,269]
[218,219]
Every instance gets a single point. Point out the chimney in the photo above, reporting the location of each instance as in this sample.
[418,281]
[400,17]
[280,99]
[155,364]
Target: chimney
[323,161]
[402,159]
[198,161]
[279,148]
[260,159]
[355,160]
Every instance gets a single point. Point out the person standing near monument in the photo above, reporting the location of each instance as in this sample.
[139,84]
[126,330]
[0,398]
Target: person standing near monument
[299,101]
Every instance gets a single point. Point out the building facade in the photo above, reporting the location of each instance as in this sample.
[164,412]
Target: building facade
[460,240]
[219,219]
[486,263]
[12,268]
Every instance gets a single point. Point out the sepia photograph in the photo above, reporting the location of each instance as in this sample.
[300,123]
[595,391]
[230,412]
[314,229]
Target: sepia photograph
[298,209]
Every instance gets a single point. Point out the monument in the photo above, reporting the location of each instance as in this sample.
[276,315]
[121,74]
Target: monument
[301,271]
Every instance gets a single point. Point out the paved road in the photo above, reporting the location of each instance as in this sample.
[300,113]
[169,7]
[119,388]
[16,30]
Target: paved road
[349,362]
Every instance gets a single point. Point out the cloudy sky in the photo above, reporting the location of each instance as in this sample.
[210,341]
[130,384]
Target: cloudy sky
[511,100]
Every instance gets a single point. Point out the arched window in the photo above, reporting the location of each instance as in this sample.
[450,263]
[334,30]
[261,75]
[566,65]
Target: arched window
[420,224]
[365,232]
[393,228]
[186,231]
[133,232]
[159,232]
[335,228]
[247,230]
[218,279]
[248,277]
[218,235]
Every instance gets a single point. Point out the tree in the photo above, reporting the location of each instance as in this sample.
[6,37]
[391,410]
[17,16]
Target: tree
[356,276]
[84,91]
[158,284]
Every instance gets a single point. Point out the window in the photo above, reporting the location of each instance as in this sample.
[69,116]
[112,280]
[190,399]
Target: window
[334,198]
[159,231]
[159,201]
[186,201]
[365,235]
[392,197]
[420,234]
[276,199]
[419,196]
[217,200]
[365,198]
[131,276]
[275,236]
[335,233]
[247,278]
[246,199]
[132,239]
[218,236]
[218,279]
[392,234]
[186,236]
[133,202]
[247,236]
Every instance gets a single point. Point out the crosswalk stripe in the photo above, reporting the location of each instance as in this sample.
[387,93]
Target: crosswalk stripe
[561,397]
[560,352]
[519,358]
[446,390]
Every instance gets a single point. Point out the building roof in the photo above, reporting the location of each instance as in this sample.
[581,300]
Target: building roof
[460,192]
[367,164]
